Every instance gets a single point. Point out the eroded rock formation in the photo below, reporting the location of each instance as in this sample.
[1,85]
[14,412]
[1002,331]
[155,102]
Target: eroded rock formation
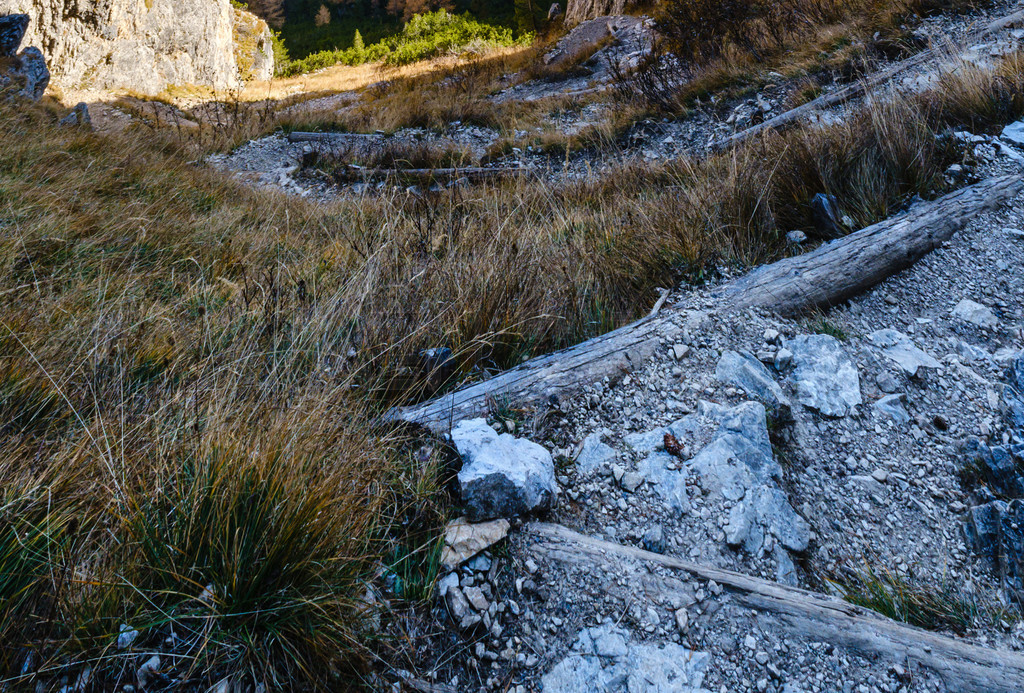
[577,11]
[146,45]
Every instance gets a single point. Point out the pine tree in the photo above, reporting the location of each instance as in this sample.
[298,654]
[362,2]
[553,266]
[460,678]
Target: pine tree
[524,16]
[357,43]
[323,16]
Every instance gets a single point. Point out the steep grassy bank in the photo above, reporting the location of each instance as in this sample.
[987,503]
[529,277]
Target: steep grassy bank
[187,367]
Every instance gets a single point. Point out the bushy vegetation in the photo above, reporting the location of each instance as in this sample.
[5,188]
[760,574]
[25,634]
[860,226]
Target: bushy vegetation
[424,36]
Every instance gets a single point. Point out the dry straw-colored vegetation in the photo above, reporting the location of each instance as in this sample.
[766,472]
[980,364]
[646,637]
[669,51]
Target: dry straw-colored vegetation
[190,369]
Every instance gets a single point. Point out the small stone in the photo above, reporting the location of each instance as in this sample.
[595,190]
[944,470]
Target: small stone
[1014,133]
[680,351]
[126,637]
[463,540]
[79,116]
[975,313]
[594,454]
[147,671]
[475,596]
[761,657]
[502,476]
[460,610]
[743,370]
[892,406]
[783,359]
[631,481]
[654,539]
[682,620]
[825,215]
[796,237]
[880,475]
[886,382]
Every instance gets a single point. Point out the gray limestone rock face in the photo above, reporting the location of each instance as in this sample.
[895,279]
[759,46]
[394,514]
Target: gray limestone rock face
[147,46]
[737,463]
[662,471]
[502,476]
[766,510]
[1013,394]
[826,379]
[30,66]
[606,659]
[577,11]
[996,531]
[12,30]
[743,370]
[999,467]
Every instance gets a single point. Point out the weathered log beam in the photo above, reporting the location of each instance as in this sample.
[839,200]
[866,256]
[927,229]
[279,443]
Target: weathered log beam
[963,666]
[821,278]
[294,137]
[470,172]
[843,268]
[856,89]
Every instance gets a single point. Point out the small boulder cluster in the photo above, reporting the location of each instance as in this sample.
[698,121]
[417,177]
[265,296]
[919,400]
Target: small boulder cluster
[502,477]
[24,73]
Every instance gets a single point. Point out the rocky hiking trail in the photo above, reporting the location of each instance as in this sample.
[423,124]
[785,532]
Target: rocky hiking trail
[715,478]
[700,500]
[276,161]
[706,496]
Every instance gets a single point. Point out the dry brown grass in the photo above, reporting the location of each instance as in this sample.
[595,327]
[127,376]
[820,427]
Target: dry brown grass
[187,367]
[730,48]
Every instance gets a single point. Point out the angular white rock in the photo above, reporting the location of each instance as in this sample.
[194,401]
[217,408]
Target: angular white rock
[826,379]
[502,476]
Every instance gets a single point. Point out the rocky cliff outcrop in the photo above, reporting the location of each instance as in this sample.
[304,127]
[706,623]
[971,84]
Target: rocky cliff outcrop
[146,45]
[577,11]
[25,71]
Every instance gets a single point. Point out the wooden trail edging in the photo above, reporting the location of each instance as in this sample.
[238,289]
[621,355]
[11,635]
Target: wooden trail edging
[963,666]
[821,278]
[852,91]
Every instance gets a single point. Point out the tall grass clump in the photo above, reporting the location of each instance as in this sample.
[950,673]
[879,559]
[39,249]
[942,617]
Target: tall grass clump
[934,607]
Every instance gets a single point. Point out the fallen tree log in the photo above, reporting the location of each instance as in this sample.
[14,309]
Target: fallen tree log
[852,91]
[819,279]
[470,172]
[845,267]
[816,617]
[332,136]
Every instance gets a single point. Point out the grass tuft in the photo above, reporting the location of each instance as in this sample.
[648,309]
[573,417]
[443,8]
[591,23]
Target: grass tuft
[922,605]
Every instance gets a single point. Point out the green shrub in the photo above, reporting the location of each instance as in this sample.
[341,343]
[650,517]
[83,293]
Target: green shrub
[424,36]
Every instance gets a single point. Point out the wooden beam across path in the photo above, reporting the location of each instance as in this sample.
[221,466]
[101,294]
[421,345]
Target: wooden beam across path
[852,91]
[331,137]
[807,615]
[822,278]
